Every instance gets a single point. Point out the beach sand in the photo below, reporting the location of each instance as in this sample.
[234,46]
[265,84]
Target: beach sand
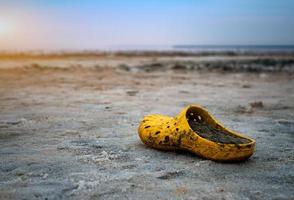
[68,126]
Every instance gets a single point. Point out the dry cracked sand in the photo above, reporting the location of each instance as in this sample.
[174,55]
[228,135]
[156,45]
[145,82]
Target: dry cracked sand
[71,132]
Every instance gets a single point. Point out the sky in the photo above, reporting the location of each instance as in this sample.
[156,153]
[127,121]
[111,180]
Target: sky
[87,25]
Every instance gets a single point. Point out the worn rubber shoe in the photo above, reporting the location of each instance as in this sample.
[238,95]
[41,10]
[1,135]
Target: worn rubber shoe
[197,131]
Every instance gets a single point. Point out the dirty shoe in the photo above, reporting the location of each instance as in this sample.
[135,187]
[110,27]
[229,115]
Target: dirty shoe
[195,130]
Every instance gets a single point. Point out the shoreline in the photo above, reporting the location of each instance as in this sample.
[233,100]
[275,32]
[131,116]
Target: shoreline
[139,53]
[155,61]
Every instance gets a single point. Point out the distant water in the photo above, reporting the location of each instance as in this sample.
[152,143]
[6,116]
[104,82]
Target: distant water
[236,48]
[179,48]
[202,48]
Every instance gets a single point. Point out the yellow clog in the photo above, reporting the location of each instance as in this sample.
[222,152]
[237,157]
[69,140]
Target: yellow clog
[195,130]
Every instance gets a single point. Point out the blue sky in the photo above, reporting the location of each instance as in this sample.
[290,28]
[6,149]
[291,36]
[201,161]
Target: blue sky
[85,24]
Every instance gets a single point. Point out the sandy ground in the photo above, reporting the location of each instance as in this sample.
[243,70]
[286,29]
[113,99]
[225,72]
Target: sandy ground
[71,133]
